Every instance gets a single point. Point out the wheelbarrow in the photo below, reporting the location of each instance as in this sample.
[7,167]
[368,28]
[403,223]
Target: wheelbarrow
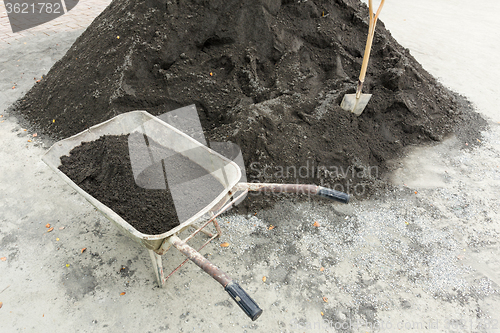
[225,171]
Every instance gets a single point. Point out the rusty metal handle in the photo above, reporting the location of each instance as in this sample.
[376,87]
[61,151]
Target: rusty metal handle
[333,194]
[294,188]
[246,303]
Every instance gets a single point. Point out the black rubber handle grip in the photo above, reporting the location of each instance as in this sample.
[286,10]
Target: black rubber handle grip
[333,195]
[246,303]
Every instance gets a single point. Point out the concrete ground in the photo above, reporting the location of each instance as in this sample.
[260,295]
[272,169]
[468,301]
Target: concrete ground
[421,258]
[76,19]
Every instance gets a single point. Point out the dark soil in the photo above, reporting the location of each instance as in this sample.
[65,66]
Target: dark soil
[145,200]
[102,168]
[268,75]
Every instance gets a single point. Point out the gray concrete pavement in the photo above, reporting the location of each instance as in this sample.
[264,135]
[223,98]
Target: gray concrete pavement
[75,20]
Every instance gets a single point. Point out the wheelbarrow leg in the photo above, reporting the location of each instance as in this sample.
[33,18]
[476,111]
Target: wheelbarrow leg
[201,228]
[196,227]
[216,224]
[157,267]
[156,255]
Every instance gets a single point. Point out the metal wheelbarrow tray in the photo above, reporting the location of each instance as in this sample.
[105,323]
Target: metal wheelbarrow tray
[227,173]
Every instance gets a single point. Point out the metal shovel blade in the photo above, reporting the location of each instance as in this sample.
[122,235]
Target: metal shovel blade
[355,105]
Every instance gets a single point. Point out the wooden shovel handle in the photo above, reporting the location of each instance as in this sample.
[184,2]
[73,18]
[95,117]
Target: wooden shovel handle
[369,40]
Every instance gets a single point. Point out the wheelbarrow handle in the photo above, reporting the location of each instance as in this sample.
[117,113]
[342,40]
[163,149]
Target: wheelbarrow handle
[333,194]
[294,188]
[245,302]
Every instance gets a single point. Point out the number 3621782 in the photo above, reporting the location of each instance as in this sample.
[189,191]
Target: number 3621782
[34,8]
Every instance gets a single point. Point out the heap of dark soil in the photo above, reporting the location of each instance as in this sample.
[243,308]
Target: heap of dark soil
[102,168]
[268,75]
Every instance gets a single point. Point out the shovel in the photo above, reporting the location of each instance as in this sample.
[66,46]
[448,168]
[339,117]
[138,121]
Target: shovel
[356,103]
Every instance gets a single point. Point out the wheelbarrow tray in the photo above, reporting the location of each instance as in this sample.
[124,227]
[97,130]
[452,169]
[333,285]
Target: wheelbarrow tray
[224,170]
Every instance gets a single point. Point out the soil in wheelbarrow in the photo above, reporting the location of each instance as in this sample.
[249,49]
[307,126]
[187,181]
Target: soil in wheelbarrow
[268,75]
[103,169]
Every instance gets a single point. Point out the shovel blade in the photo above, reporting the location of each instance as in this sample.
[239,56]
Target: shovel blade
[355,105]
